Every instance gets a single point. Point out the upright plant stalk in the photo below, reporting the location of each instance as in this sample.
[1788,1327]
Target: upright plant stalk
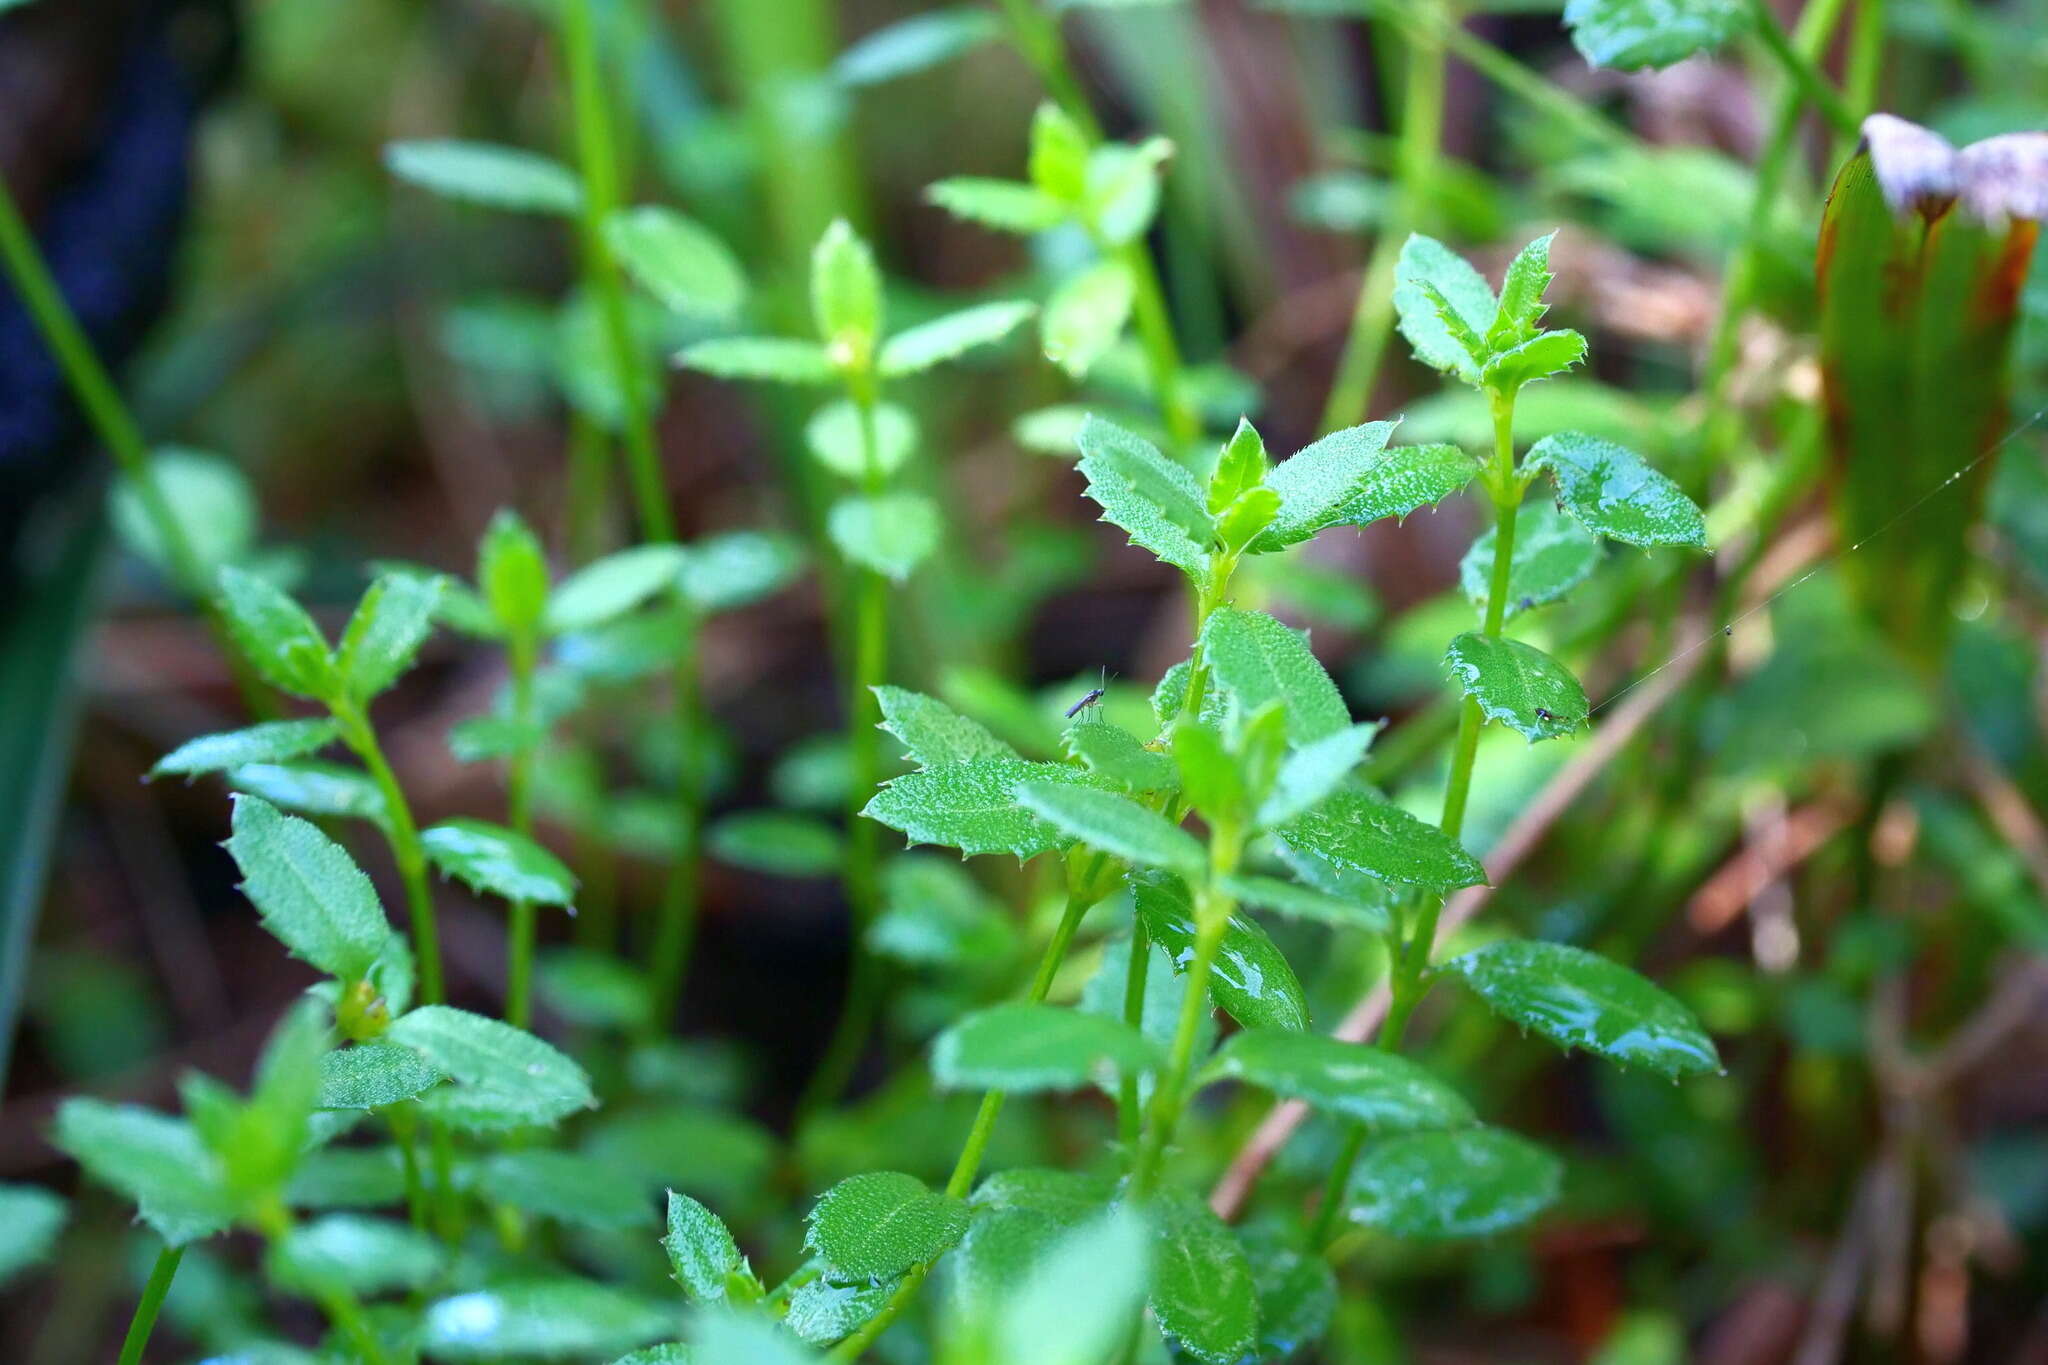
[146,1308]
[117,429]
[1372,323]
[1408,960]
[519,803]
[402,832]
[864,763]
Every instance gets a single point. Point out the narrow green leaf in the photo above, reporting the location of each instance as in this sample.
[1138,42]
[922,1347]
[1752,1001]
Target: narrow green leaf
[846,295]
[372,1075]
[1123,188]
[1629,35]
[890,533]
[568,1187]
[1385,1092]
[1471,1183]
[933,733]
[609,588]
[512,1077]
[1425,266]
[312,788]
[1580,999]
[1257,659]
[1611,490]
[679,261]
[1059,154]
[307,889]
[1409,477]
[271,742]
[390,623]
[837,439]
[1362,833]
[916,44]
[1005,205]
[1518,685]
[493,860]
[1322,483]
[156,1160]
[1202,1289]
[972,806]
[777,842]
[1115,825]
[1112,752]
[1023,1048]
[487,174]
[736,568]
[778,360]
[1157,502]
[365,1256]
[210,501]
[1521,295]
[1553,555]
[275,635]
[512,573]
[701,1252]
[881,1224]
[1085,316]
[1211,779]
[1250,978]
[1540,357]
[30,1219]
[348,1178]
[1315,770]
[552,1319]
[919,348]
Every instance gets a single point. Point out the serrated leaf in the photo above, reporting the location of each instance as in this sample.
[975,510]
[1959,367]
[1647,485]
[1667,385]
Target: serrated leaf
[271,742]
[493,860]
[1321,484]
[890,533]
[1059,154]
[509,1075]
[1024,1048]
[275,635]
[1115,825]
[1580,999]
[384,635]
[309,892]
[1553,555]
[1521,295]
[488,174]
[1005,205]
[933,733]
[1255,659]
[1518,685]
[701,1252]
[1540,357]
[880,1224]
[1157,502]
[1306,903]
[971,806]
[1250,978]
[566,1186]
[1112,752]
[1611,490]
[919,348]
[1085,316]
[779,360]
[823,1311]
[1202,1290]
[1363,833]
[1384,1092]
[679,261]
[1629,35]
[836,438]
[362,1255]
[1427,267]
[156,1160]
[915,44]
[1315,770]
[779,843]
[30,1219]
[610,587]
[554,1319]
[846,294]
[1471,1183]
[736,568]
[312,788]
[1409,477]
[372,1075]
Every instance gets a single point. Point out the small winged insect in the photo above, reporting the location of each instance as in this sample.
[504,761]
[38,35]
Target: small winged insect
[1094,696]
[1544,715]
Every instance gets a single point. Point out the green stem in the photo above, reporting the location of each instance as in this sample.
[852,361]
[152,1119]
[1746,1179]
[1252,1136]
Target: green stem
[153,1291]
[1803,68]
[407,1133]
[1408,959]
[1079,899]
[1129,1116]
[1037,36]
[1162,350]
[519,801]
[598,159]
[402,832]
